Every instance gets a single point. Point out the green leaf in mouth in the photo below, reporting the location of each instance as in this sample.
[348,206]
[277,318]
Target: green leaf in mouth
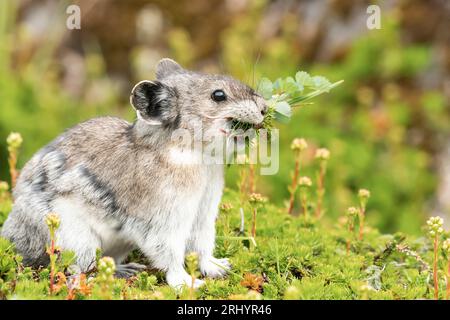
[284,94]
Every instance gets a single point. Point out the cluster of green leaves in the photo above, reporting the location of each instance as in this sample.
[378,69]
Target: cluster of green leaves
[286,93]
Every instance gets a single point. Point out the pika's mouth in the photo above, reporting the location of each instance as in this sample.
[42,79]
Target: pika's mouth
[237,127]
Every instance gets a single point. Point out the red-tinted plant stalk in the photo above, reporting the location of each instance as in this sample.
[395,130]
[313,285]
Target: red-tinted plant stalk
[435,268]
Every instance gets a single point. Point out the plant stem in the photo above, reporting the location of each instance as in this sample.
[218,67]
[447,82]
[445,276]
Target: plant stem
[320,188]
[254,223]
[12,161]
[294,184]
[362,215]
[313,94]
[52,265]
[304,201]
[251,178]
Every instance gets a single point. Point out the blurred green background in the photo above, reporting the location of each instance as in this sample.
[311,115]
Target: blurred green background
[387,126]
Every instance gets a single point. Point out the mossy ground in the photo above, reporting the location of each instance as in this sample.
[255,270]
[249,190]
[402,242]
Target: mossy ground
[294,258]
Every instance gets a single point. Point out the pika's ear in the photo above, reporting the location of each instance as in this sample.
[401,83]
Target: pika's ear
[166,67]
[155,102]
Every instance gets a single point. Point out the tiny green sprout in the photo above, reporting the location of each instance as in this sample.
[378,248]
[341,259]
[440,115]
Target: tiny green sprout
[106,269]
[226,208]
[14,141]
[299,144]
[52,221]
[192,264]
[256,200]
[304,183]
[363,195]
[323,155]
[434,230]
[352,212]
[192,268]
[435,226]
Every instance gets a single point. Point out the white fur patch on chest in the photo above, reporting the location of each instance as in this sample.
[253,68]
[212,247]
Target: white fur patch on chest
[184,156]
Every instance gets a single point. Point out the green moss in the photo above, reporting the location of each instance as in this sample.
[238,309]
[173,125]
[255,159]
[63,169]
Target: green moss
[297,259]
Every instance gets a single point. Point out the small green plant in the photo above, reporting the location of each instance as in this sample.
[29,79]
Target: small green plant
[242,185]
[106,268]
[144,281]
[256,201]
[298,145]
[52,221]
[192,269]
[225,210]
[10,263]
[322,155]
[351,214]
[434,231]
[14,142]
[304,184]
[363,195]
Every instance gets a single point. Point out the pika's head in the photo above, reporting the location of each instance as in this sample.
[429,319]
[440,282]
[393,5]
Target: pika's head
[179,98]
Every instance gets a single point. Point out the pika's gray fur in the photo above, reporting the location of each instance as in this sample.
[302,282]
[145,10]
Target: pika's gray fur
[116,186]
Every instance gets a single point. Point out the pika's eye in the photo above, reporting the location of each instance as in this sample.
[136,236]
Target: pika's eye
[218,95]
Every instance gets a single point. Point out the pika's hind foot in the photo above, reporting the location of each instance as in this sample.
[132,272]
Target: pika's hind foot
[179,279]
[215,268]
[128,270]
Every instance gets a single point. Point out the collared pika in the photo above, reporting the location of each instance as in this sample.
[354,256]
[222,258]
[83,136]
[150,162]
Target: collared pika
[116,185]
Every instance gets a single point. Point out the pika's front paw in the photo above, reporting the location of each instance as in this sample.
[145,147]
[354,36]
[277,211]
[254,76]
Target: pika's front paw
[178,280]
[215,268]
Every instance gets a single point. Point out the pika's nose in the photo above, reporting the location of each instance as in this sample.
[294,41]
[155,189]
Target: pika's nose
[264,110]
